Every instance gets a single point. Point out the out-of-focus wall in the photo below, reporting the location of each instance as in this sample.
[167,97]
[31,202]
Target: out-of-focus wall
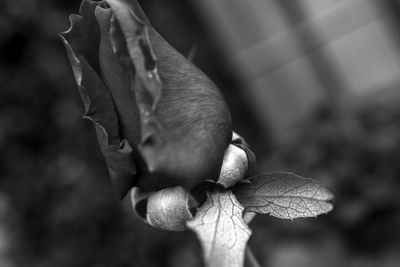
[291,55]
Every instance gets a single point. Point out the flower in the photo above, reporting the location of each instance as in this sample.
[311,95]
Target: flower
[159,120]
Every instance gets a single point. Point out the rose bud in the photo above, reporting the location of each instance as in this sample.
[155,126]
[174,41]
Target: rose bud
[170,208]
[160,121]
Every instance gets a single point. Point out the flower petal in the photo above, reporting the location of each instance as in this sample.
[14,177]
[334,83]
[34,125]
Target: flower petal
[81,42]
[186,132]
[83,35]
[118,81]
[168,209]
[239,141]
[120,162]
[95,96]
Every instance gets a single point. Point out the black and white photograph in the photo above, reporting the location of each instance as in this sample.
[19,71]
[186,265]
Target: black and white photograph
[199,133]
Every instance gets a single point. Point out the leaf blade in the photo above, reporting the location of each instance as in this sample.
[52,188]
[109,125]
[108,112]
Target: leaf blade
[221,230]
[284,195]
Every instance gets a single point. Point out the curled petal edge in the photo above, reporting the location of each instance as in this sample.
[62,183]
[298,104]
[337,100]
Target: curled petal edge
[133,38]
[99,109]
[166,209]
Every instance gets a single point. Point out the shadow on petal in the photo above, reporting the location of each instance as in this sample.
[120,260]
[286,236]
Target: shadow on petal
[185,134]
[81,42]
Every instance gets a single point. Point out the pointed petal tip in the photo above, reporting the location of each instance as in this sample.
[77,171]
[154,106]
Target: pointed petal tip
[65,35]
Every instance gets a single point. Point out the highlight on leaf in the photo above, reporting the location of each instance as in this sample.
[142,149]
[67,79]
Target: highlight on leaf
[284,195]
[223,234]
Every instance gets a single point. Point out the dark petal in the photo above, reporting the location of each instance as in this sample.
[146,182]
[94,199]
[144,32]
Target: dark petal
[81,44]
[95,96]
[196,120]
[251,158]
[120,162]
[130,41]
[239,141]
[118,82]
[83,37]
[186,132]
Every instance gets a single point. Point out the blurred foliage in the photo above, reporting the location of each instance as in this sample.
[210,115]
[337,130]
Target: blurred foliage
[362,168]
[57,207]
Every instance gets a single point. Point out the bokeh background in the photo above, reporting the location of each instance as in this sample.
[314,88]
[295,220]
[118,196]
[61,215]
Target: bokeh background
[313,85]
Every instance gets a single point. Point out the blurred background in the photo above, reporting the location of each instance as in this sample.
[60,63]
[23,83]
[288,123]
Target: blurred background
[313,85]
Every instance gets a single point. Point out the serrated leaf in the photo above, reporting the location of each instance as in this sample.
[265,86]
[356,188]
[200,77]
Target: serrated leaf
[220,227]
[284,195]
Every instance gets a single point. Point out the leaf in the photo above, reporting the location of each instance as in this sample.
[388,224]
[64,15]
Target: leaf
[221,230]
[284,195]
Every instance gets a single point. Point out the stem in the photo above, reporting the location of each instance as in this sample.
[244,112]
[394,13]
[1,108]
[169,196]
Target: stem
[249,259]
